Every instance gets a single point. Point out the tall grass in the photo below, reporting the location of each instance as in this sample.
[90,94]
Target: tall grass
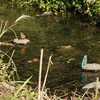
[10,63]
[21,87]
[4,27]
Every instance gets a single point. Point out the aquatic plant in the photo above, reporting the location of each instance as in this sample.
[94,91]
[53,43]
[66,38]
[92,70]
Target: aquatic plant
[4,28]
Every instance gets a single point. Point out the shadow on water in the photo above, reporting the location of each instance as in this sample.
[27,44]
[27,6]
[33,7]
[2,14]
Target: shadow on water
[67,42]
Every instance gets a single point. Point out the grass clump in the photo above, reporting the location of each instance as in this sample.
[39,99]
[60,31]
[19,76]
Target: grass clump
[9,88]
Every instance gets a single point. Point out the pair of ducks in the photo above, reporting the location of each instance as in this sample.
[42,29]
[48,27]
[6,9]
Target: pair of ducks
[23,40]
[90,67]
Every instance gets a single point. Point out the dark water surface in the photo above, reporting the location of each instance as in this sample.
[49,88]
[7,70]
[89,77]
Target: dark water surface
[67,42]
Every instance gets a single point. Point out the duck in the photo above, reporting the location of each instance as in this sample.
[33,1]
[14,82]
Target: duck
[32,61]
[92,85]
[23,40]
[47,13]
[89,67]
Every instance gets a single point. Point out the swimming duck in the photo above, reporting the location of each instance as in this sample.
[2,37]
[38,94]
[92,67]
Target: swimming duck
[89,67]
[48,13]
[23,40]
[92,85]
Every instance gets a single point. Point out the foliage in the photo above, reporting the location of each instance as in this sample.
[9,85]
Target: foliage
[89,7]
[7,69]
[95,9]
[3,69]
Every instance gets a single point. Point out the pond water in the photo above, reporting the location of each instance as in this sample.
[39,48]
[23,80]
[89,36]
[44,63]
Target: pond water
[67,41]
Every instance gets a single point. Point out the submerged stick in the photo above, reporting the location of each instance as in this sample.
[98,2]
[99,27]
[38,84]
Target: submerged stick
[40,76]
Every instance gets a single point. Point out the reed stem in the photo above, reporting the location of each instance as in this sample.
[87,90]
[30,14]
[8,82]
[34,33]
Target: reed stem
[49,63]
[96,91]
[40,76]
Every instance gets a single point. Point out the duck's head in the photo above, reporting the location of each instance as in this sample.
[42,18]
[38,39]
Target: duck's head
[22,35]
[84,62]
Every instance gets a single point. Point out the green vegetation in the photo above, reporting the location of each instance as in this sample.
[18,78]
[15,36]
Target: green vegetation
[89,7]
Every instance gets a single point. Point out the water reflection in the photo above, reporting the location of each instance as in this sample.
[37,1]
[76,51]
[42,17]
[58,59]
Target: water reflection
[88,77]
[23,50]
